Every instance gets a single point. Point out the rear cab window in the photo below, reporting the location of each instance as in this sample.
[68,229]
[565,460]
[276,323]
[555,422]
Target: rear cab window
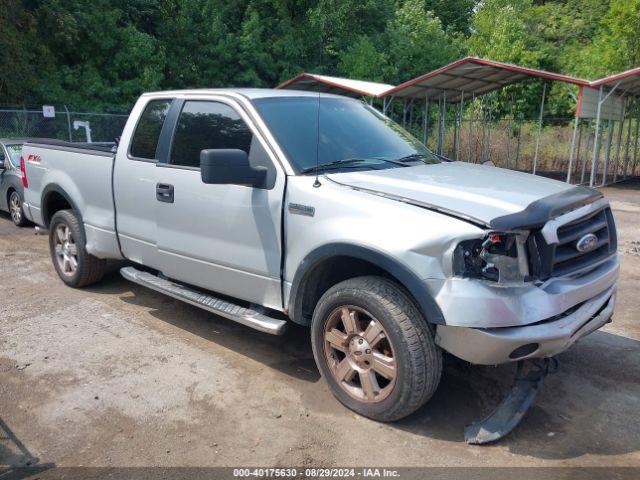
[144,143]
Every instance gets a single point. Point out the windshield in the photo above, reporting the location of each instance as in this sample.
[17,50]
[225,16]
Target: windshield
[14,150]
[349,129]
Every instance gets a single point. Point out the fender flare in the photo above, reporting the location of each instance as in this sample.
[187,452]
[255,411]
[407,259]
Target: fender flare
[405,276]
[51,188]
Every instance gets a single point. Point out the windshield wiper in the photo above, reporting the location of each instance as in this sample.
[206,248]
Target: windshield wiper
[412,157]
[333,164]
[346,161]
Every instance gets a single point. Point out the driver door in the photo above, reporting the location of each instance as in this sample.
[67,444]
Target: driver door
[223,238]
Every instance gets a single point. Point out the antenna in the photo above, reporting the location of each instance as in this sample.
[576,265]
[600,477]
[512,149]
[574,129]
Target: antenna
[317,183]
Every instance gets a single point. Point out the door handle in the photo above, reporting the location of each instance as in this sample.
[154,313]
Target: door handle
[164,192]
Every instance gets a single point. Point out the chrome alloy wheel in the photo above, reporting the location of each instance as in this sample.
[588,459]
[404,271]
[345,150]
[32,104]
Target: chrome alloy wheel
[15,207]
[359,354]
[66,250]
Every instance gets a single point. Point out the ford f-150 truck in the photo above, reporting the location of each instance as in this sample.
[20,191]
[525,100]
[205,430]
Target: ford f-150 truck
[270,206]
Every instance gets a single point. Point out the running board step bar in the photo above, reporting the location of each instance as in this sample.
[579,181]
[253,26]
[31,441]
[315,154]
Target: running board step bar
[244,315]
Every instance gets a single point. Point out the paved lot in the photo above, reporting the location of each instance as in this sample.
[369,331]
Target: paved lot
[116,375]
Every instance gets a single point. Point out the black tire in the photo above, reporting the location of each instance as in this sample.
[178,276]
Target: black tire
[418,359]
[89,269]
[18,217]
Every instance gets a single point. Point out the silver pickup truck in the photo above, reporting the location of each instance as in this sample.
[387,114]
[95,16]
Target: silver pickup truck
[270,206]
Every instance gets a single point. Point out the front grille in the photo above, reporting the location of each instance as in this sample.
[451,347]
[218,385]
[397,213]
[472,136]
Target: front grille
[564,258]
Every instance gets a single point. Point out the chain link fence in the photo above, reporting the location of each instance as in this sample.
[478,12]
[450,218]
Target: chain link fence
[525,146]
[63,125]
[509,143]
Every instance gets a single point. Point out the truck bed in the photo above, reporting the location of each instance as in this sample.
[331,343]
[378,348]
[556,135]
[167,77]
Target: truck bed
[108,147]
[84,172]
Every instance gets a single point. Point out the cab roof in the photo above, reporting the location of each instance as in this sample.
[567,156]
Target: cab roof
[250,93]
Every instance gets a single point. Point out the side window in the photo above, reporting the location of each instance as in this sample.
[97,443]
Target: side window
[14,154]
[204,125]
[145,138]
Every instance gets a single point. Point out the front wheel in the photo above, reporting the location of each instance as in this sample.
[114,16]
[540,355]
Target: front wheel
[15,208]
[374,348]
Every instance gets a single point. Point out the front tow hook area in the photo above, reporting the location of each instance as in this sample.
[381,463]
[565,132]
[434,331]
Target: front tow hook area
[528,379]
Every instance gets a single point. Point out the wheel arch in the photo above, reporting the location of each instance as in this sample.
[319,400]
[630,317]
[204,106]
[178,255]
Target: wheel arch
[333,263]
[10,190]
[55,198]
[13,186]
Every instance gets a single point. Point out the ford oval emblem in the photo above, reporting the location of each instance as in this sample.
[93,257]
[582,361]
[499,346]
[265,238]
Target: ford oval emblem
[587,243]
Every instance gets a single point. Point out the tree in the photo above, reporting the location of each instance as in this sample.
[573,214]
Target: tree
[617,45]
[24,58]
[505,30]
[363,60]
[101,54]
[417,42]
[103,60]
[455,15]
[336,25]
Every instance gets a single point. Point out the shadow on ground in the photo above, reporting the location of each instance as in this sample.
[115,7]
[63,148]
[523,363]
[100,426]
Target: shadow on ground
[590,406]
[15,457]
[290,353]
[7,228]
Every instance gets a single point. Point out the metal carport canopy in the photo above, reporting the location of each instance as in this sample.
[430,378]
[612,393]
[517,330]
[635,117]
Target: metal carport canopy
[337,85]
[625,83]
[471,75]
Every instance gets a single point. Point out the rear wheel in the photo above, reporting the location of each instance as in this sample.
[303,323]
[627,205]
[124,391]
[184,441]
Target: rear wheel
[374,348]
[15,208]
[75,266]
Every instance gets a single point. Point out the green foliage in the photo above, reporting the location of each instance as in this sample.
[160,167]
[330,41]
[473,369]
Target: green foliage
[455,15]
[363,60]
[417,43]
[584,38]
[617,44]
[101,54]
[507,31]
[23,57]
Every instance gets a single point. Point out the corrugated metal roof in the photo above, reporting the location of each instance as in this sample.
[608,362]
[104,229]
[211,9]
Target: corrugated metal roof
[627,82]
[472,75]
[340,86]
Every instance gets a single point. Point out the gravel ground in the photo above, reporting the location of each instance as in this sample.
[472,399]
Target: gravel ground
[116,375]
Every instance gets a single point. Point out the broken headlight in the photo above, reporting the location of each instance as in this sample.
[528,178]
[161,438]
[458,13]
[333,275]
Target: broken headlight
[498,257]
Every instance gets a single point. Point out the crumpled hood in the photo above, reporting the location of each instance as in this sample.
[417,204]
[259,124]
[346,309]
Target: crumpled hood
[479,193]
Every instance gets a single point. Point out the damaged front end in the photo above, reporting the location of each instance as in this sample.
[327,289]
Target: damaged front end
[499,257]
[526,259]
[529,377]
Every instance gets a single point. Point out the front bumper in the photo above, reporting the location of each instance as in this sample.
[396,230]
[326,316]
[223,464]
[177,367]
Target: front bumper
[479,304]
[492,346]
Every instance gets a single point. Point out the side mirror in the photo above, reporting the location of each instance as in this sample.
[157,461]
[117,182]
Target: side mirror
[230,166]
